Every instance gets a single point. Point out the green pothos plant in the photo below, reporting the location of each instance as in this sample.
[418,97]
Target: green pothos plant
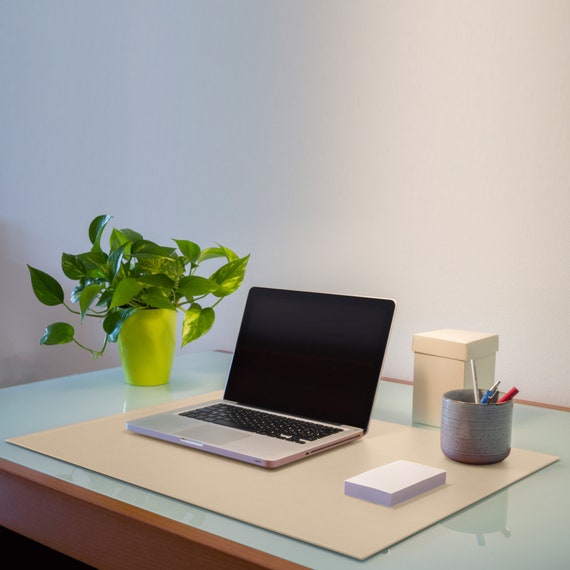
[135,274]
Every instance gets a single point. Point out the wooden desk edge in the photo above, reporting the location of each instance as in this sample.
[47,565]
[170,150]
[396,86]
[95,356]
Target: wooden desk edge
[107,533]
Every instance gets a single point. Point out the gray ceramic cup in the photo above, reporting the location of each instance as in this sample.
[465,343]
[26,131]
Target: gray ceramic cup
[475,433]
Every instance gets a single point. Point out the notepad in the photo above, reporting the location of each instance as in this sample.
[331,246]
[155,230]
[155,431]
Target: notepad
[394,482]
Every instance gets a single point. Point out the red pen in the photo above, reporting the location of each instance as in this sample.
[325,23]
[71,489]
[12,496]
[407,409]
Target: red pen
[509,395]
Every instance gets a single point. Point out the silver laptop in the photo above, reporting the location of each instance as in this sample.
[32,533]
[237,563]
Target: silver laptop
[302,380]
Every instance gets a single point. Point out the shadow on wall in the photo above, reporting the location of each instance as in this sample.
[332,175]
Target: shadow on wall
[24,318]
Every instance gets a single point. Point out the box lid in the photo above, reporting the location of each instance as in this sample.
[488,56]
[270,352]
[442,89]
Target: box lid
[456,344]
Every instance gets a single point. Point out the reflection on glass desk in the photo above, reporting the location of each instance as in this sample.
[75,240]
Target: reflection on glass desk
[522,526]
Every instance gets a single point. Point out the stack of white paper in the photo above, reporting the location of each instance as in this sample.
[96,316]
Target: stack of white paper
[394,482]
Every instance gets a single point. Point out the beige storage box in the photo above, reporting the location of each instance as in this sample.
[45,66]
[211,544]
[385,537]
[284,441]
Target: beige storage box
[442,362]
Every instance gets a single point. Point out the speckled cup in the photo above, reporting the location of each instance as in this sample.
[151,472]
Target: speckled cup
[475,433]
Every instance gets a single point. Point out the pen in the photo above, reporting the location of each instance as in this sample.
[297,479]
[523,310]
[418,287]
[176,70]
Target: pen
[490,392]
[475,385]
[509,395]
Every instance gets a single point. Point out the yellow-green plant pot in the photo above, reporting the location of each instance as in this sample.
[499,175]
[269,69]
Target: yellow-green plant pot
[147,343]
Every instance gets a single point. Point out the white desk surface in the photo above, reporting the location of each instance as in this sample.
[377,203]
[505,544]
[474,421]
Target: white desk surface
[523,526]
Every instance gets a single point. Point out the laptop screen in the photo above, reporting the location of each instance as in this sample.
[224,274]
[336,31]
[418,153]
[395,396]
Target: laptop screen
[315,355]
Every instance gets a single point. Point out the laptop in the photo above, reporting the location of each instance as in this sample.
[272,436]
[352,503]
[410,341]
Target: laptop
[302,380]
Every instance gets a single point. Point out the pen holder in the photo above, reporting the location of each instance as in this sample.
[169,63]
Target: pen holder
[475,433]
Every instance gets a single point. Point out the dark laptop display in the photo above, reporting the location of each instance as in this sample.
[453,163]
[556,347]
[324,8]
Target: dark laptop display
[313,355]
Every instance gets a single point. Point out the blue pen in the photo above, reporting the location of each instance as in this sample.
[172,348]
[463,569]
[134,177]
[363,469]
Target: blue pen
[490,392]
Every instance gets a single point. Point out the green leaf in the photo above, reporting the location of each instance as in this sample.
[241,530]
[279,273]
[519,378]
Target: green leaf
[46,288]
[157,299]
[129,235]
[96,230]
[114,321]
[195,286]
[94,260]
[159,280]
[145,248]
[119,239]
[228,253]
[72,266]
[115,260]
[105,298]
[196,323]
[173,268]
[83,284]
[125,291]
[211,253]
[230,276]
[76,293]
[87,296]
[188,249]
[58,333]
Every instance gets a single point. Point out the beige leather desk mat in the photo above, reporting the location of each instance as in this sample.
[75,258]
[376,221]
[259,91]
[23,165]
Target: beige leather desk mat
[304,500]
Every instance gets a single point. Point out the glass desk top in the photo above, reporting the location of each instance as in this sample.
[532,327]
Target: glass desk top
[523,526]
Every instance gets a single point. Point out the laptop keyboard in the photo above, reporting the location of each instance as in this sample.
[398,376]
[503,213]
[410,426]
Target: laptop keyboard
[297,431]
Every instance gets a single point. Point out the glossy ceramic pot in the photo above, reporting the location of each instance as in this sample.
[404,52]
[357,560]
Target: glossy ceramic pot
[147,342]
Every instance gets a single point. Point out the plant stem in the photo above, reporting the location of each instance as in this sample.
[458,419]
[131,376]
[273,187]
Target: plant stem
[94,353]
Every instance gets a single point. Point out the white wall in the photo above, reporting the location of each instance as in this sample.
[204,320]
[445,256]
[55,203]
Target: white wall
[411,149]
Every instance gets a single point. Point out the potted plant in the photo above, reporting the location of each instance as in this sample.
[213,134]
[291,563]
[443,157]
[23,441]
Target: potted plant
[136,289]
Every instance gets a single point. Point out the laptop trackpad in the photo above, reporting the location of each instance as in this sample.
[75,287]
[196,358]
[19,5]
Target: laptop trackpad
[212,434]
